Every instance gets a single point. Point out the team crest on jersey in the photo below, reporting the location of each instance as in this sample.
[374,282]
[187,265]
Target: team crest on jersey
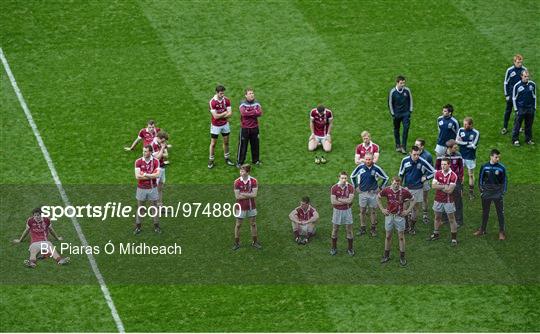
[407,165]
[513,74]
[496,172]
[520,89]
[450,125]
[441,122]
[418,166]
[530,87]
[471,137]
[372,173]
[462,134]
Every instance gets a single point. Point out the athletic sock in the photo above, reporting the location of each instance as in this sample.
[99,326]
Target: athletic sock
[386,253]
[296,234]
[454,235]
[402,254]
[254,238]
[334,242]
[350,242]
[211,158]
[309,235]
[237,240]
[226,155]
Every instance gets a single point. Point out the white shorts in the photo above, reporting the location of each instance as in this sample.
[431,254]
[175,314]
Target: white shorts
[304,229]
[470,164]
[440,150]
[161,177]
[320,140]
[342,217]
[41,247]
[246,214]
[396,221]
[418,194]
[368,198]
[147,194]
[224,129]
[444,207]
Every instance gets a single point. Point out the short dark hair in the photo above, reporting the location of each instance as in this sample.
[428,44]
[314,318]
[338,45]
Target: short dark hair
[246,167]
[451,143]
[400,78]
[422,141]
[449,107]
[415,148]
[249,89]
[396,178]
[150,122]
[149,147]
[494,151]
[220,88]
[343,173]
[163,135]
[445,159]
[320,108]
[305,199]
[37,210]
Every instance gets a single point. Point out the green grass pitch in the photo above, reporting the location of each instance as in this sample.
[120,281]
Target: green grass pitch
[92,73]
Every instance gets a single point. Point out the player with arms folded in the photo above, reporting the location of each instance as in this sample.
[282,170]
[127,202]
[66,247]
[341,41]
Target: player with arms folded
[160,151]
[304,219]
[444,183]
[341,197]
[146,173]
[39,228]
[395,214]
[220,108]
[245,191]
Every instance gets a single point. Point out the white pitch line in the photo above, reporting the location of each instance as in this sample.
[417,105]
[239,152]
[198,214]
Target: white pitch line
[56,178]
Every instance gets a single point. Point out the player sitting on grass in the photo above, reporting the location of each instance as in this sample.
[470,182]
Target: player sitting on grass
[395,215]
[39,228]
[304,219]
[320,123]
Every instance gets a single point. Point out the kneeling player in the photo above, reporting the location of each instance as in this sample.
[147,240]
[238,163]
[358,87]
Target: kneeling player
[342,196]
[304,219]
[320,123]
[444,183]
[39,228]
[395,215]
[245,191]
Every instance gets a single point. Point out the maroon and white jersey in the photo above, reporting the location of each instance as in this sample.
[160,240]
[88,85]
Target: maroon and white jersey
[246,187]
[304,216]
[39,231]
[320,121]
[148,136]
[342,192]
[445,179]
[219,106]
[396,199]
[149,167]
[362,149]
[249,114]
[156,147]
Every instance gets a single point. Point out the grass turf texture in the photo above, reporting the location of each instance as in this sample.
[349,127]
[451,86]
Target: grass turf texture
[92,74]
